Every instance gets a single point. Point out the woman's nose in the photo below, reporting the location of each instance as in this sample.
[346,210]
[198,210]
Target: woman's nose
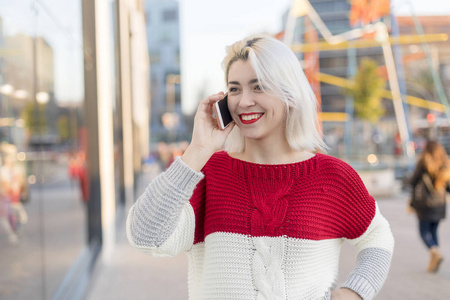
[247,100]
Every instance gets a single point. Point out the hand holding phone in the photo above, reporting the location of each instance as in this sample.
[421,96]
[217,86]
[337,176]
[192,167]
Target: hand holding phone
[223,115]
[207,138]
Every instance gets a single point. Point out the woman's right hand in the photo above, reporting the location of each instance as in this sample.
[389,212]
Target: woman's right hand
[207,137]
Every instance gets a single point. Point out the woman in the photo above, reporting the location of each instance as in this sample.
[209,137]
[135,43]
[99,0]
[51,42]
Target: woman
[433,165]
[266,218]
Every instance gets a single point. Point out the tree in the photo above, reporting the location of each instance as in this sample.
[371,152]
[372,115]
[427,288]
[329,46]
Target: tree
[63,128]
[366,91]
[35,121]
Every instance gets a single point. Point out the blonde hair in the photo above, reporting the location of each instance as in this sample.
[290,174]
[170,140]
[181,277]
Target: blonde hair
[280,74]
[436,163]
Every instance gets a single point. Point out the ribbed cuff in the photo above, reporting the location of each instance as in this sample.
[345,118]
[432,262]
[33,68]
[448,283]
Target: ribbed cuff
[361,286]
[182,176]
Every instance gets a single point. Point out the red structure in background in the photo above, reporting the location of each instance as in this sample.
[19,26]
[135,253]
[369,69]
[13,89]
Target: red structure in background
[364,12]
[311,58]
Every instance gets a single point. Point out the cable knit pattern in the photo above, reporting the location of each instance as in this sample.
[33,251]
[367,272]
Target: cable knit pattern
[267,266]
[256,231]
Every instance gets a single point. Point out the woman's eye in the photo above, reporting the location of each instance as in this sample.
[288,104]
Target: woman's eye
[232,89]
[257,87]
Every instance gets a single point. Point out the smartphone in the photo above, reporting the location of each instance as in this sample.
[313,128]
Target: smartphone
[223,115]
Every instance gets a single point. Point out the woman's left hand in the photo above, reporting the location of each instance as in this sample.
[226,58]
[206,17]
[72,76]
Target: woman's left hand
[344,294]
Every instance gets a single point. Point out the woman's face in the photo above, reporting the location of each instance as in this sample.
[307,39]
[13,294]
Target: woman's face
[258,115]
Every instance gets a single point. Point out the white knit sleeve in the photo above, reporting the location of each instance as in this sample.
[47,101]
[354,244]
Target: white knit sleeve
[162,222]
[375,248]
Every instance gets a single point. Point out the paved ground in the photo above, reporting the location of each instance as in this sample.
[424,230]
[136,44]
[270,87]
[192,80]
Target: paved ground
[130,274]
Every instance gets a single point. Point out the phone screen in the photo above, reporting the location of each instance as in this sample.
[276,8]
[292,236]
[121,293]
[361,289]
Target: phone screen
[222,113]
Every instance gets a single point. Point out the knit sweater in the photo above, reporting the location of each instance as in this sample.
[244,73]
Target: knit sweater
[254,231]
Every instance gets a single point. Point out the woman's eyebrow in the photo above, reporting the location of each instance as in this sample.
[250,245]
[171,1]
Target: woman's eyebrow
[255,80]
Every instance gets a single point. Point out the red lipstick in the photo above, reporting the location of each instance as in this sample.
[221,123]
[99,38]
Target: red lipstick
[250,118]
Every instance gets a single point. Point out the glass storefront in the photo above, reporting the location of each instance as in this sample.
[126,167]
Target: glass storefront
[71,138]
[43,145]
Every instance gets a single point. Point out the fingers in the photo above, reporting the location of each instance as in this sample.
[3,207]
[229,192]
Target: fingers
[206,105]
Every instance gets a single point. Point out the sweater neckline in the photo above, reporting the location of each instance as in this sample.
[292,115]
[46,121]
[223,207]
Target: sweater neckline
[275,171]
[272,165]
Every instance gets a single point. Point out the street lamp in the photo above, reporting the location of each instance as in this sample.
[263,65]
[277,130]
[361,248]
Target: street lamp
[6,89]
[42,97]
[20,94]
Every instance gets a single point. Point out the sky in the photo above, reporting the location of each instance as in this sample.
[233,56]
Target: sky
[207,26]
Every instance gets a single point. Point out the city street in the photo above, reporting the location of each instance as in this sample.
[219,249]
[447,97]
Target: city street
[129,274]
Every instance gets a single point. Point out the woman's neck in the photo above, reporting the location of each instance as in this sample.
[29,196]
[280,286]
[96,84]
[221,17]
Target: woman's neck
[269,153]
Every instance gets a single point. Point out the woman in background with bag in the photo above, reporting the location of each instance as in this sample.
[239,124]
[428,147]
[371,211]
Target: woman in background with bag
[430,183]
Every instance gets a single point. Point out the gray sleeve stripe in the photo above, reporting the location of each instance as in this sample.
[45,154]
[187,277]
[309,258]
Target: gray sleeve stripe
[372,268]
[154,216]
[184,178]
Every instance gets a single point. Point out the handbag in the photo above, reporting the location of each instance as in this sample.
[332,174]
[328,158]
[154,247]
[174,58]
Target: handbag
[424,195]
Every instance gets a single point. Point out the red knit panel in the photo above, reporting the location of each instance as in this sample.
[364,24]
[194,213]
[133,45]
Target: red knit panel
[334,203]
[321,198]
[197,202]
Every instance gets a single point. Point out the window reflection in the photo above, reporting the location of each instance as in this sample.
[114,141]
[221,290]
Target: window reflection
[42,207]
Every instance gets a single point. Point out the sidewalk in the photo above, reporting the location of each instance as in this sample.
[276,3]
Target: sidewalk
[134,275]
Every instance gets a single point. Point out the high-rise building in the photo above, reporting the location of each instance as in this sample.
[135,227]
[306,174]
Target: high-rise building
[22,60]
[18,71]
[163,36]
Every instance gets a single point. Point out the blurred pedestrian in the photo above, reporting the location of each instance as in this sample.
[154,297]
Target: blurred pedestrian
[4,213]
[12,184]
[164,155]
[430,185]
[78,172]
[266,218]
[73,168]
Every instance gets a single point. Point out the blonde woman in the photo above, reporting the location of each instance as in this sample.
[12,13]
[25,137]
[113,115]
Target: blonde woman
[433,166]
[266,218]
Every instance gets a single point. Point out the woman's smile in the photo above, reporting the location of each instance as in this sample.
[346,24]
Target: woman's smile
[250,118]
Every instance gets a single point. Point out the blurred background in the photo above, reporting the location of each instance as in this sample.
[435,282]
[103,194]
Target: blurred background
[98,96]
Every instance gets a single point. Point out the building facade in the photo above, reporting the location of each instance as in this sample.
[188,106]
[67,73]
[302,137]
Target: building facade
[346,136]
[163,36]
[427,76]
[429,56]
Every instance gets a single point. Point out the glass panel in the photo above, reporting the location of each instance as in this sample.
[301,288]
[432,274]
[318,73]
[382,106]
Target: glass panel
[42,145]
